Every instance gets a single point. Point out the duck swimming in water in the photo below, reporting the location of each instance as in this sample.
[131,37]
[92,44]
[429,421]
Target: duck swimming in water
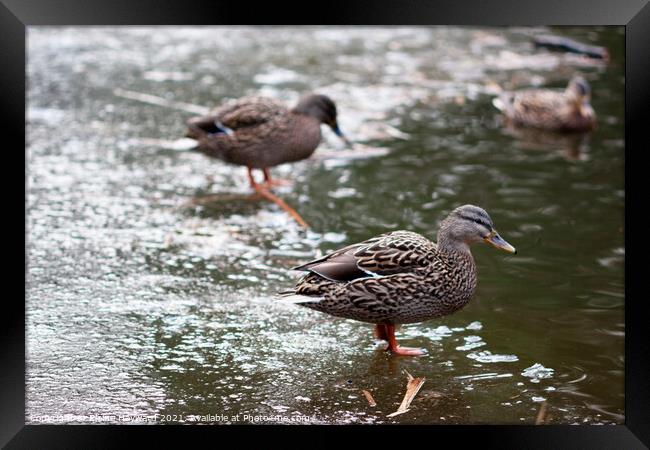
[399,277]
[547,109]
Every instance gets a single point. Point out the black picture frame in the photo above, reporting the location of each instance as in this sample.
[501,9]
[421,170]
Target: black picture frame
[16,15]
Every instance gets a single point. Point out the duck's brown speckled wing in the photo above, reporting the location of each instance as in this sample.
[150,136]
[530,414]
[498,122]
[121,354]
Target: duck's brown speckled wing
[534,106]
[387,254]
[247,115]
[249,111]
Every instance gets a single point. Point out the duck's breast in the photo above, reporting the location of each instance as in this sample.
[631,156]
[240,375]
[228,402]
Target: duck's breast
[297,142]
[293,138]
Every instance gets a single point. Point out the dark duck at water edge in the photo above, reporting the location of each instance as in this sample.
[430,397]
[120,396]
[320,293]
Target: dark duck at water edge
[259,132]
[548,109]
[399,277]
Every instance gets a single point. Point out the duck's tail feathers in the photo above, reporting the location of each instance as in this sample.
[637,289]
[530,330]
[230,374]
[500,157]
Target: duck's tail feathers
[185,144]
[292,297]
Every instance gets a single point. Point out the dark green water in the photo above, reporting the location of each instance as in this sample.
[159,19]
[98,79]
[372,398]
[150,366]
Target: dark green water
[139,304]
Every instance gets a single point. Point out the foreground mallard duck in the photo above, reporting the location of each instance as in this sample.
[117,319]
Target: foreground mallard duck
[550,110]
[259,132]
[399,277]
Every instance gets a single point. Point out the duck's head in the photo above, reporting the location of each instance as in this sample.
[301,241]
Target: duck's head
[323,109]
[579,87]
[467,225]
[580,90]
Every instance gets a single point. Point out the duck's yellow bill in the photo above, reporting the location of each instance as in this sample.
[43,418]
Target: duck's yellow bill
[497,241]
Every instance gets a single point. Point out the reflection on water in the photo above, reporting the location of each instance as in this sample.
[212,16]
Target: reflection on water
[573,146]
[140,302]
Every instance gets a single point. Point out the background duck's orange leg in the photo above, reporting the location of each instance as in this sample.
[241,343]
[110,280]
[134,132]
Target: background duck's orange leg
[264,192]
[270,182]
[394,348]
[251,178]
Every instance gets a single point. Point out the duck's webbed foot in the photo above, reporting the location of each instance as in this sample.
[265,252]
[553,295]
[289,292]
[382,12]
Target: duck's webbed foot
[407,351]
[263,190]
[392,343]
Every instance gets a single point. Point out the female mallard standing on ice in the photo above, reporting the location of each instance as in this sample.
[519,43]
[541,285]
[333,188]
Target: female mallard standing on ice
[259,132]
[400,277]
[550,110]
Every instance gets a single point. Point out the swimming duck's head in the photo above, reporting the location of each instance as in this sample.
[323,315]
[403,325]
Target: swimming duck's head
[579,86]
[581,92]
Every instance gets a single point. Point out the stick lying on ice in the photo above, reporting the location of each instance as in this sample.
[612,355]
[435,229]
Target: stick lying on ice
[155,100]
[413,385]
[371,401]
[541,414]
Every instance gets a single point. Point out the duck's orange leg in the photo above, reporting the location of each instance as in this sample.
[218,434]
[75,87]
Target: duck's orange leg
[380,332]
[270,182]
[264,192]
[251,178]
[396,349]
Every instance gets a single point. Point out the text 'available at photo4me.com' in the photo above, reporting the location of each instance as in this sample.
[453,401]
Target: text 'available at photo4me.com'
[170,418]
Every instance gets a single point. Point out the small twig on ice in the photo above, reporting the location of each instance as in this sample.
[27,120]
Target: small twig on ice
[541,414]
[368,395]
[413,385]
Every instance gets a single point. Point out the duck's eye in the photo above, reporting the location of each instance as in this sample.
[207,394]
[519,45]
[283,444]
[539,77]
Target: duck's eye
[490,234]
[478,221]
[482,223]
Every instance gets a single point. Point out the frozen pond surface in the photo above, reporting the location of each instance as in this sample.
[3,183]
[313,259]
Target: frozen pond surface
[140,303]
